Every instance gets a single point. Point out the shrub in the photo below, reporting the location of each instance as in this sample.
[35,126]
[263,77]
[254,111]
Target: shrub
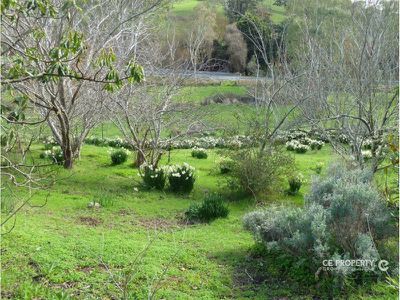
[316,145]
[295,183]
[343,217]
[119,156]
[255,172]
[301,148]
[366,154]
[116,143]
[225,165]
[211,208]
[55,155]
[181,178]
[152,177]
[49,143]
[199,153]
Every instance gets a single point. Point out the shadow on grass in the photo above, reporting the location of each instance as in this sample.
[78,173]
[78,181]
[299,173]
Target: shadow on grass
[258,274]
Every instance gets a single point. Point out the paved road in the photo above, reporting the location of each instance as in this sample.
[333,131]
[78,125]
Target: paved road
[219,76]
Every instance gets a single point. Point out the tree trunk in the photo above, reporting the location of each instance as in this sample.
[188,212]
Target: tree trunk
[68,158]
[139,159]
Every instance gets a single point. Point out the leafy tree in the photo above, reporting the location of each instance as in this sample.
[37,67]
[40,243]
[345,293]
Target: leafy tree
[261,36]
[235,8]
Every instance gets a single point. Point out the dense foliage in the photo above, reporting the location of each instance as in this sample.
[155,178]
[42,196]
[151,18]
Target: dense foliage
[181,178]
[256,172]
[153,177]
[211,208]
[119,156]
[199,153]
[344,218]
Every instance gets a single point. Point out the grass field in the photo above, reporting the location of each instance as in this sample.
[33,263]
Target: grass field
[67,246]
[138,242]
[185,8]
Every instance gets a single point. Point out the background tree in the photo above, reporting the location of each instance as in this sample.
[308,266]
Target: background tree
[235,8]
[355,70]
[200,36]
[236,49]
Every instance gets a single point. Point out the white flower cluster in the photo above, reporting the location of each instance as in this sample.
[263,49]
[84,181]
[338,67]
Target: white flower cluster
[366,154]
[195,148]
[184,170]
[55,154]
[367,144]
[299,178]
[295,145]
[155,172]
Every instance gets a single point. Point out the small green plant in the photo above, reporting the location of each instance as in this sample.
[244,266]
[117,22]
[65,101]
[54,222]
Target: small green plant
[55,154]
[199,153]
[181,178]
[295,183]
[152,177]
[119,156]
[211,208]
[318,168]
[7,204]
[104,199]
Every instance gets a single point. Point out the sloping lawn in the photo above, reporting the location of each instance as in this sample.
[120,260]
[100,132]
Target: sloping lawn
[66,249]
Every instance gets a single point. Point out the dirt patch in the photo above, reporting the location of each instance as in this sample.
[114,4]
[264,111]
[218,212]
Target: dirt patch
[64,285]
[85,269]
[158,223]
[125,212]
[90,221]
[228,99]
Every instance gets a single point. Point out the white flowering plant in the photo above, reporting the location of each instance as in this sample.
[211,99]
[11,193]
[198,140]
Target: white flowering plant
[55,154]
[153,177]
[298,147]
[366,154]
[316,145]
[199,153]
[295,183]
[181,178]
[49,142]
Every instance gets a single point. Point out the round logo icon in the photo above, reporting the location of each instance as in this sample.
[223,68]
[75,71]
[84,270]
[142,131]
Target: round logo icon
[383,265]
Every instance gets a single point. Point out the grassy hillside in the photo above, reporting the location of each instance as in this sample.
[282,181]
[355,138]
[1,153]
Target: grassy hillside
[85,252]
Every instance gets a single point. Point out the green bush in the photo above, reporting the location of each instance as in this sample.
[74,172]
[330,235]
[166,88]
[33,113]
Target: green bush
[316,145]
[255,172]
[225,165]
[199,153]
[211,208]
[152,177]
[295,183]
[119,156]
[344,218]
[181,178]
[55,154]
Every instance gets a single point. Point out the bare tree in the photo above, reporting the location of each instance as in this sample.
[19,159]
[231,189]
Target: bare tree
[66,55]
[280,91]
[200,36]
[354,59]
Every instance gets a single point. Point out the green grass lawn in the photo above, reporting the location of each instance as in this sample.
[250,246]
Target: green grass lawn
[65,246]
